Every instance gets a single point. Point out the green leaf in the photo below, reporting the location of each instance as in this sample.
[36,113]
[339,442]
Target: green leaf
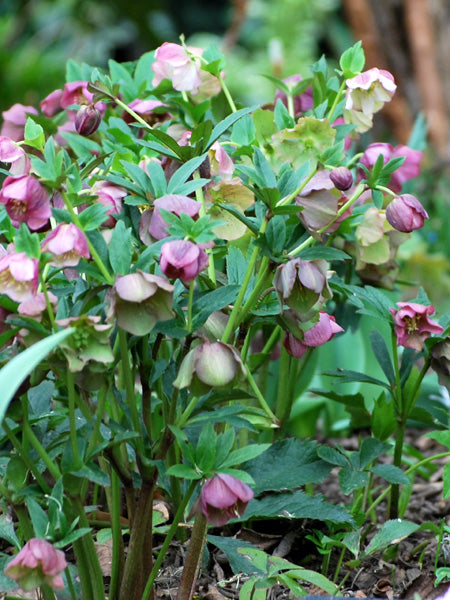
[158,178]
[205,452]
[208,302]
[391,473]
[286,465]
[93,216]
[34,134]
[352,60]
[276,234]
[347,376]
[282,117]
[371,448]
[7,531]
[243,132]
[184,472]
[383,421]
[324,252]
[38,518]
[351,480]
[245,453]
[27,242]
[391,532]
[331,455]
[18,368]
[238,562]
[183,173]
[221,127]
[120,249]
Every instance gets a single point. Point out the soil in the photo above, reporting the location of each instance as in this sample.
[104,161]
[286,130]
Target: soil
[406,571]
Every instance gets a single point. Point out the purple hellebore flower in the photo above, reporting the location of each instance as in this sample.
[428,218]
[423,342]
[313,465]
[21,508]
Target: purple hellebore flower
[412,324]
[87,119]
[75,92]
[67,244]
[405,213]
[182,259]
[110,195]
[26,201]
[223,497]
[19,276]
[12,153]
[175,63]
[51,104]
[174,203]
[320,333]
[342,178]
[14,121]
[36,564]
[408,170]
[366,94]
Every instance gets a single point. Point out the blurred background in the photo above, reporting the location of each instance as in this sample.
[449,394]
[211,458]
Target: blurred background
[410,38]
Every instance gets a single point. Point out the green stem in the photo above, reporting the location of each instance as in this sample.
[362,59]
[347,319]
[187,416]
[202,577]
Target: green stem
[284,400]
[226,91]
[169,536]
[290,105]
[117,552]
[77,460]
[193,559]
[51,466]
[200,197]
[288,199]
[262,401]
[182,419]
[48,304]
[190,305]
[259,285]
[336,102]
[311,240]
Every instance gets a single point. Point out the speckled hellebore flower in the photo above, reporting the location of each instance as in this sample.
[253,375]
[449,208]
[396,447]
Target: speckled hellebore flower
[19,276]
[412,324]
[405,213]
[223,497]
[38,563]
[320,333]
[174,62]
[67,244]
[303,286]
[139,300]
[182,259]
[366,94]
[209,366]
[26,201]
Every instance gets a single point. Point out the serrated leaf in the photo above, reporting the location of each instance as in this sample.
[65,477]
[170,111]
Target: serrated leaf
[391,532]
[7,531]
[244,454]
[230,546]
[391,473]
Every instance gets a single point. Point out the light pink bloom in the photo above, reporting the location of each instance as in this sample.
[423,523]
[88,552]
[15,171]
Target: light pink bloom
[174,203]
[223,497]
[26,201]
[366,94]
[51,104]
[12,153]
[175,63]
[67,244]
[408,170]
[36,305]
[36,564]
[109,195]
[412,324]
[75,92]
[19,276]
[405,213]
[14,121]
[322,332]
[220,163]
[181,259]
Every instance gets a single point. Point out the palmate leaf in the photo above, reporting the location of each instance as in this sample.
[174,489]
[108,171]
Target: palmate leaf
[18,369]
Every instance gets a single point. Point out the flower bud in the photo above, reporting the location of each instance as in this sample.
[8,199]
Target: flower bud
[405,213]
[87,119]
[342,178]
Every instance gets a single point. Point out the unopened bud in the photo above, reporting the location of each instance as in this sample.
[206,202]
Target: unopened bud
[342,178]
[87,119]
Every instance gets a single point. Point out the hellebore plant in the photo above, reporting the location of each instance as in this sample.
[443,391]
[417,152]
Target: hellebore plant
[190,255]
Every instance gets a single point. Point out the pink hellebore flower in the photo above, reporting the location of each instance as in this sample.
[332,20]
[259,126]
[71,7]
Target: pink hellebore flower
[366,94]
[12,153]
[220,163]
[51,104]
[174,203]
[14,121]
[76,92]
[182,259]
[109,195]
[36,305]
[26,201]
[19,276]
[320,333]
[405,213]
[408,170]
[412,325]
[67,244]
[36,564]
[223,497]
[175,63]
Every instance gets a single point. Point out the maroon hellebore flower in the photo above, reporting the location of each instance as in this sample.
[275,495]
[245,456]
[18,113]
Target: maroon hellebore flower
[223,497]
[412,324]
[26,201]
[67,244]
[87,119]
[405,213]
[36,564]
[182,259]
[342,178]
[174,203]
[19,276]
[320,333]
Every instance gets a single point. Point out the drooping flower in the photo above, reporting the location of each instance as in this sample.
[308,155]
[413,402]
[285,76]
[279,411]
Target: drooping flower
[440,362]
[220,163]
[174,203]
[19,276]
[110,195]
[303,286]
[320,333]
[14,121]
[67,244]
[210,366]
[223,497]
[182,259]
[174,62]
[38,563]
[12,153]
[412,324]
[26,201]
[408,170]
[139,300]
[366,94]
[405,213]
